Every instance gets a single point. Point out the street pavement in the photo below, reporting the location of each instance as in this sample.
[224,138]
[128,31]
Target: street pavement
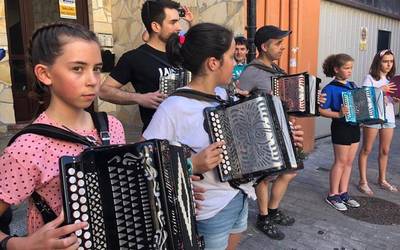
[319,226]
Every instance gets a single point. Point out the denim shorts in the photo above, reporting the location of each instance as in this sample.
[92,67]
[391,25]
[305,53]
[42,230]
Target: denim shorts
[231,219]
[380,126]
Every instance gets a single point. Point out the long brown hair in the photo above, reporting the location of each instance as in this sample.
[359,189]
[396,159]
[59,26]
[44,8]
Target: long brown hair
[375,68]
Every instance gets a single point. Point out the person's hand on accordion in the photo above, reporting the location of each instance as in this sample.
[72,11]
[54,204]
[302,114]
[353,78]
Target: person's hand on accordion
[321,97]
[297,133]
[344,110]
[208,158]
[151,100]
[50,236]
[389,88]
[197,192]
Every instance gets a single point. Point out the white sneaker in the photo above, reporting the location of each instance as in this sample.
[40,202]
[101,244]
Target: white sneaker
[349,201]
[336,202]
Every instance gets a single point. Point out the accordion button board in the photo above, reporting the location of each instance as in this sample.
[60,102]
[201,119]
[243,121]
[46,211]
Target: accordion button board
[177,79]
[134,196]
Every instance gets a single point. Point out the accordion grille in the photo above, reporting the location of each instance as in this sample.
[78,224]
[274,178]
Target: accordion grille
[292,91]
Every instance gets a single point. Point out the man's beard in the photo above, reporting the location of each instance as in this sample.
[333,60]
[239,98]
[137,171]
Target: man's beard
[164,39]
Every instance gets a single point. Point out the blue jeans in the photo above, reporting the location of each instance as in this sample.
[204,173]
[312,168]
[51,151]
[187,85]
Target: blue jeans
[380,126]
[232,219]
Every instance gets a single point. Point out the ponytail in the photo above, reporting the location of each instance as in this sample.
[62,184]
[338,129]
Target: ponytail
[173,49]
[202,41]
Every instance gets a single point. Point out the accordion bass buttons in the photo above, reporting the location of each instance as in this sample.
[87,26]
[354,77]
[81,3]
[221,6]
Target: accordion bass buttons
[79,207]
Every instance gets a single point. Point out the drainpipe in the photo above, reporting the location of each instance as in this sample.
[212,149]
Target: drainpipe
[293,43]
[251,28]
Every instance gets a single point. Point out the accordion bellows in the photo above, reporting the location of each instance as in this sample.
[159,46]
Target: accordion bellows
[257,137]
[135,196]
[366,105]
[299,92]
[180,78]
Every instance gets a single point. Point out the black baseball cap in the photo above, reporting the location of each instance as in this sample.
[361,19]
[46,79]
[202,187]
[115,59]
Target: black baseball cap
[267,32]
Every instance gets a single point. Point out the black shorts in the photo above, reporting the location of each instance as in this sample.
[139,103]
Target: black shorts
[344,133]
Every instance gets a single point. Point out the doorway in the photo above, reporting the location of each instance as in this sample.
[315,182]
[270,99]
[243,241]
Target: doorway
[22,18]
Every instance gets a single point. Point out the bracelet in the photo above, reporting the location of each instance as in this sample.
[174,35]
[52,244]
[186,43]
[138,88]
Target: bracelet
[3,243]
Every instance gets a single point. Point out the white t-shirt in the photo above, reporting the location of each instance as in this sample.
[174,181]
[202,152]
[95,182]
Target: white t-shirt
[180,119]
[371,82]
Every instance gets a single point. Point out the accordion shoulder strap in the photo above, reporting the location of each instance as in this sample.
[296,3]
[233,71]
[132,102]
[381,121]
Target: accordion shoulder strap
[275,69]
[53,132]
[100,121]
[158,59]
[352,85]
[197,95]
[44,208]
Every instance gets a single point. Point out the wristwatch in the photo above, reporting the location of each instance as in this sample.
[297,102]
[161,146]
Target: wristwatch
[3,243]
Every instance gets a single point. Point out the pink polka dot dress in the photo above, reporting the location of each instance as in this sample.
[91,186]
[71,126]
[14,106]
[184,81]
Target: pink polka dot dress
[31,164]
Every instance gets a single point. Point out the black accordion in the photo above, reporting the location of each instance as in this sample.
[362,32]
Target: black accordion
[135,196]
[178,79]
[257,137]
[366,105]
[299,92]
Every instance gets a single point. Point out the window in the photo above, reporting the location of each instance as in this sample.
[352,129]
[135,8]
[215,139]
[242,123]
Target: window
[384,39]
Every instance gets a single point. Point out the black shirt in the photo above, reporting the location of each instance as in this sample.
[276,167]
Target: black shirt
[142,67]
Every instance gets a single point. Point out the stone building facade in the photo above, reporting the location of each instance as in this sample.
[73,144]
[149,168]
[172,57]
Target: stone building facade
[118,26]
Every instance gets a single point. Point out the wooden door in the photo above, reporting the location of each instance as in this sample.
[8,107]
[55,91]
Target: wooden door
[22,18]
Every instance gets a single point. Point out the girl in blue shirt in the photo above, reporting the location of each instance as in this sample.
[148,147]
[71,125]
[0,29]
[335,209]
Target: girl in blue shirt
[345,136]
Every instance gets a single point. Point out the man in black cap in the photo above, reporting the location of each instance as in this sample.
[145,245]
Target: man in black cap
[269,43]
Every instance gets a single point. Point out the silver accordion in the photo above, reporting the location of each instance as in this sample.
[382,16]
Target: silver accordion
[366,105]
[177,79]
[299,92]
[257,137]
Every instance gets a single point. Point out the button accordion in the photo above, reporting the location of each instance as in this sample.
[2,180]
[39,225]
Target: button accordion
[135,196]
[257,137]
[366,105]
[299,93]
[177,79]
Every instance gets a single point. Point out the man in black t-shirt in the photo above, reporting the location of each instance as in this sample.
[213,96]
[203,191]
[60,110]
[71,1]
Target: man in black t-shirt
[144,65]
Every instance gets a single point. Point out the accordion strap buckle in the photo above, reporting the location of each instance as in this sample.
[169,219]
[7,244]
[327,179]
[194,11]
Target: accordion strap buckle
[104,136]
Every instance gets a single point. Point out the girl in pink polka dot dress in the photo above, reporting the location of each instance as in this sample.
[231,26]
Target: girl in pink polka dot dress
[66,61]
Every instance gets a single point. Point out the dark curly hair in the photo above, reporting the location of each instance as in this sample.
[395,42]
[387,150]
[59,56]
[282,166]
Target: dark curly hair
[335,61]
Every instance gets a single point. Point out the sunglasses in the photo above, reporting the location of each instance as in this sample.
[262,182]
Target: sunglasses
[384,52]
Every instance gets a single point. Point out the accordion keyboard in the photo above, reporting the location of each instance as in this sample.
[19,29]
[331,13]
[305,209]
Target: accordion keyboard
[173,81]
[348,102]
[131,199]
[218,133]
[84,209]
